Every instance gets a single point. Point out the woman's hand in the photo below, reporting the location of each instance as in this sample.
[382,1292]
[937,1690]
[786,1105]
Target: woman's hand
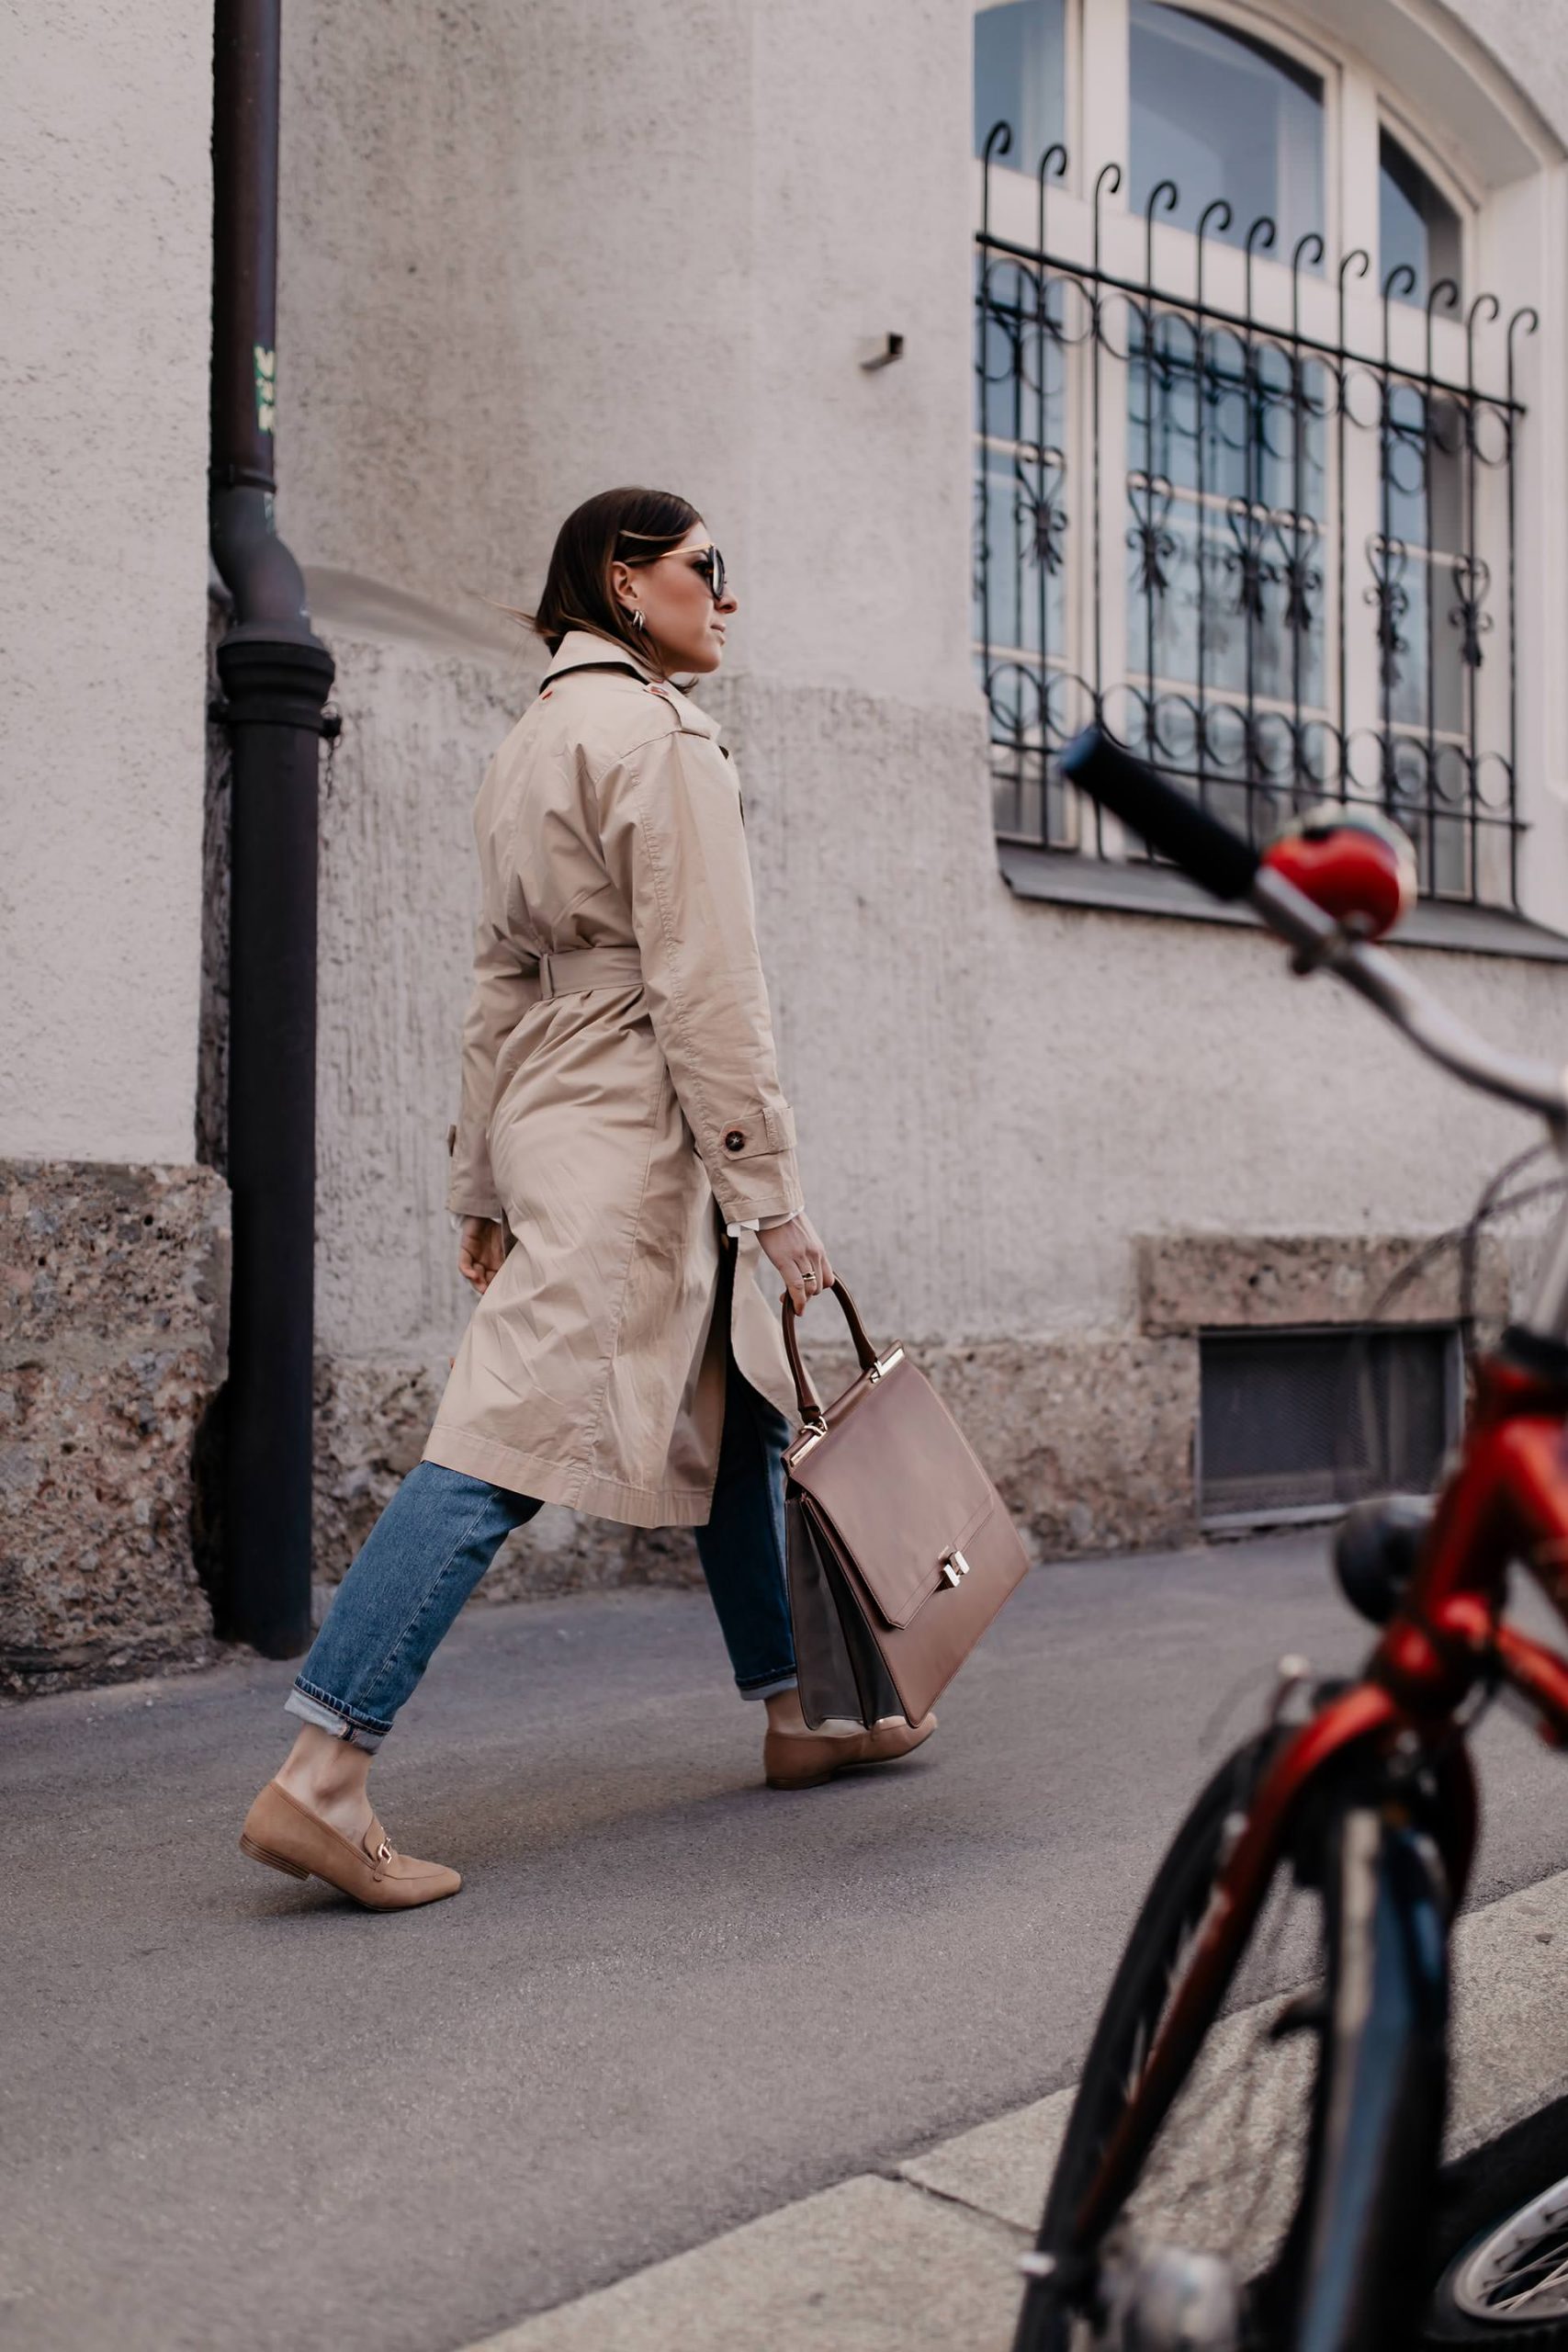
[481,1246]
[800,1258]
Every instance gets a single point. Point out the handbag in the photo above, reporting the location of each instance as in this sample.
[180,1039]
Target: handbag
[899,1552]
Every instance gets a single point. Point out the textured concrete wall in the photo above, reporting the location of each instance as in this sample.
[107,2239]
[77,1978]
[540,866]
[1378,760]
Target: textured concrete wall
[527,253]
[396,920]
[106,238]
[115,1248]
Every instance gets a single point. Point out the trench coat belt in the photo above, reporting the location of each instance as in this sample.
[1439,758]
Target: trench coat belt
[577,968]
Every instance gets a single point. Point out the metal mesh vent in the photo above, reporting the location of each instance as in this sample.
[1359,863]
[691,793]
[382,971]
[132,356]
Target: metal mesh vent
[1297,1424]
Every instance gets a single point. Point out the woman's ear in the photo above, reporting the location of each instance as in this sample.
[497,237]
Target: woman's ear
[620,582]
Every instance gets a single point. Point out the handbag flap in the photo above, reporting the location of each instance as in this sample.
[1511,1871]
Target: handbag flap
[896,1480]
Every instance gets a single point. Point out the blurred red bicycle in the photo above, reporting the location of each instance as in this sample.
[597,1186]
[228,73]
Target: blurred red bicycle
[1363,1811]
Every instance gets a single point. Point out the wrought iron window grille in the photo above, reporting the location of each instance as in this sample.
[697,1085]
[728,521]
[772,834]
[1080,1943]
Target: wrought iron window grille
[1314,565]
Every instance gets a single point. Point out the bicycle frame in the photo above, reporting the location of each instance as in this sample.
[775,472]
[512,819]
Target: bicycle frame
[1506,1499]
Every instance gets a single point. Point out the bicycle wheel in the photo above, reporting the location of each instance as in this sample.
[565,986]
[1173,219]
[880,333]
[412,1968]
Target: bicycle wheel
[1283,2201]
[1502,2251]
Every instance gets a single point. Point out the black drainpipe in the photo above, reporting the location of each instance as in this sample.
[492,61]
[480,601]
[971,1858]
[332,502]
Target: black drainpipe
[275,676]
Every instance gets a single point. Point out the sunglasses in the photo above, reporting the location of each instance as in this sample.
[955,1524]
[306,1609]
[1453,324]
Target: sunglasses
[709,565]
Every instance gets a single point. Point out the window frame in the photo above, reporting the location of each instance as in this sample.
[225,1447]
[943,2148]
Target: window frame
[1357,109]
[1259,26]
[1466,201]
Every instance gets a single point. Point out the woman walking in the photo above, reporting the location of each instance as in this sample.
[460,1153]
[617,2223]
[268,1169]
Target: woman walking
[623,1158]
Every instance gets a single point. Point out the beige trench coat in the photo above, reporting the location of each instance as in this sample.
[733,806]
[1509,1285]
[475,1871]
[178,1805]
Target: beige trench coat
[606,1125]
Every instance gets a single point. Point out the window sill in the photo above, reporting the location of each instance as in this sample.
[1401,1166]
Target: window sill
[1063,879]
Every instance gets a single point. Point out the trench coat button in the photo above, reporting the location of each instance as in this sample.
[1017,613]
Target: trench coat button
[735,1140]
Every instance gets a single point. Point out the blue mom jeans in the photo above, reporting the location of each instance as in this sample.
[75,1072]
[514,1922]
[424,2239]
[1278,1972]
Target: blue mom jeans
[441,1529]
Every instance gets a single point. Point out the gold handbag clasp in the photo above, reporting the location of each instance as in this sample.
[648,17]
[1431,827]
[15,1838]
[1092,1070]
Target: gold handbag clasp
[813,1430]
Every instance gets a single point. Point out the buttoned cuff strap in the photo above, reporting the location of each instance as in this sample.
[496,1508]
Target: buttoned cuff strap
[751,1161]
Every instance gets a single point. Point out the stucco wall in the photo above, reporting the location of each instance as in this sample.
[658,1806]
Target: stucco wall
[995,1096]
[527,253]
[106,235]
[576,257]
[396,920]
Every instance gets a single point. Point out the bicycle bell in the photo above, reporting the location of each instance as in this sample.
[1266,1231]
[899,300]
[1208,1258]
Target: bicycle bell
[1353,863]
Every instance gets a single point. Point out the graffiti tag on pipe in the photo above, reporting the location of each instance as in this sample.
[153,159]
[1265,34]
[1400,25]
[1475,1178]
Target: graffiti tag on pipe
[266,386]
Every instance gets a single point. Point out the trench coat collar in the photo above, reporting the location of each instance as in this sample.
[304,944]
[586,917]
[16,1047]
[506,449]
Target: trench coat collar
[584,649]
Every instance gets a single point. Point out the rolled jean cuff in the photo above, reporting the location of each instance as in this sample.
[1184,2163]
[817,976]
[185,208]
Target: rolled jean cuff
[314,1707]
[770,1687]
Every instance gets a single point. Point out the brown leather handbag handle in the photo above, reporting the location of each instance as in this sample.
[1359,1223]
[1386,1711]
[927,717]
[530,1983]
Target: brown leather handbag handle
[806,1395]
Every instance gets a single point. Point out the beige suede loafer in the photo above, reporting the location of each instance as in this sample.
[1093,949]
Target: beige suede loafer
[792,1759]
[285,1835]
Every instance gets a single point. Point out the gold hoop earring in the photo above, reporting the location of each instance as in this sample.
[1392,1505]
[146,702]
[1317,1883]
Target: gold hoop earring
[635,616]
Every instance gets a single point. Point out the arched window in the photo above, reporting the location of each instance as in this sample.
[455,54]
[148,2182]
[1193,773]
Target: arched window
[1249,442]
[1418,228]
[1222,114]
[1020,72]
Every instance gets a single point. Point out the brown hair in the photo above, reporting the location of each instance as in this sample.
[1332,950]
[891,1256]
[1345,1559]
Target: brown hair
[618,525]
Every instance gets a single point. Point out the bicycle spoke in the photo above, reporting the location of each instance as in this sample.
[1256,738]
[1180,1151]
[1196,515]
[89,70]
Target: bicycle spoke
[1533,2279]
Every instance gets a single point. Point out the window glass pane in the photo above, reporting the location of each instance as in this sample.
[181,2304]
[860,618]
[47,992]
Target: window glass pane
[1019,77]
[1223,115]
[1024,520]
[1257,606]
[1420,579]
[1422,457]
[1417,227]
[1225,535]
[1263,415]
[1020,571]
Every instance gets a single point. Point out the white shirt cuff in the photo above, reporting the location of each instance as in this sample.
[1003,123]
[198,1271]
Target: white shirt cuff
[762,1224]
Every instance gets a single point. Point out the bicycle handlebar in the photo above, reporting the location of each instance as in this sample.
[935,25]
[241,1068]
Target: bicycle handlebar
[1170,821]
[1228,867]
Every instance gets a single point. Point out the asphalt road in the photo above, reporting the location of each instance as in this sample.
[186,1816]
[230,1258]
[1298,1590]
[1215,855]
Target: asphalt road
[238,2115]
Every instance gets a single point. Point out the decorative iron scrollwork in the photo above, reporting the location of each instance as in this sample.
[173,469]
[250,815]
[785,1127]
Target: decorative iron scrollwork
[1472,576]
[1296,536]
[1046,519]
[1247,562]
[1224,643]
[1389,560]
[1151,499]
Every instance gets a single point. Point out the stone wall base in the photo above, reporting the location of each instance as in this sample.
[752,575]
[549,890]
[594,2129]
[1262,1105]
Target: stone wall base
[112,1347]
[372,1420]
[1089,1439]
[113,1335]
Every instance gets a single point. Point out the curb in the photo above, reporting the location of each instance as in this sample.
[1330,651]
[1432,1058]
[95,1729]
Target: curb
[922,2257]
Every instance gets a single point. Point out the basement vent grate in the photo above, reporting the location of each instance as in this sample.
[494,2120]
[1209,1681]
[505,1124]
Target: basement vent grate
[1296,1425]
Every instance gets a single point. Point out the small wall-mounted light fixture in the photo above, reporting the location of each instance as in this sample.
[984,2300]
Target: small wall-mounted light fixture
[885,353]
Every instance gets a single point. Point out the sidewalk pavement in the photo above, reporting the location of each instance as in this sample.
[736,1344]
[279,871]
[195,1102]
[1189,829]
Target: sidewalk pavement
[669,2011]
[921,2255]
